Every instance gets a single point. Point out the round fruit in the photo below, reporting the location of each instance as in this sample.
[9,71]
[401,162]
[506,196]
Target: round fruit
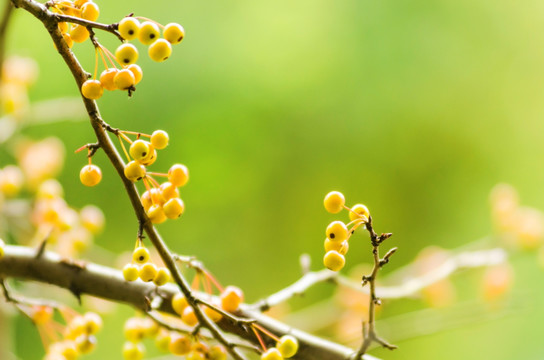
[90,175]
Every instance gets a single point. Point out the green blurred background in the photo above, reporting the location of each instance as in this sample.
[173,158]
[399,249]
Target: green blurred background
[415,108]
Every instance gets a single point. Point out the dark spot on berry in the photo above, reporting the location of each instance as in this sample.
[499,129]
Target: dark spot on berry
[165,58]
[144,153]
[180,38]
[126,61]
[141,258]
[131,32]
[140,178]
[352,231]
[331,235]
[152,36]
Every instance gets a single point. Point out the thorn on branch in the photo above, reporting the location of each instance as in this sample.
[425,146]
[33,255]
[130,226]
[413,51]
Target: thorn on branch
[41,248]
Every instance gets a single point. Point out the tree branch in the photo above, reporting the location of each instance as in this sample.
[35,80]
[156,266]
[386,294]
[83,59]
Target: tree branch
[50,21]
[88,278]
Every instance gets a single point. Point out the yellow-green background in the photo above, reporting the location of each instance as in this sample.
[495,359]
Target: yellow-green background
[416,108]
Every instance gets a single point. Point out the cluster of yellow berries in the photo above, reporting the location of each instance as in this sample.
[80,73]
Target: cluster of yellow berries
[338,233]
[83,9]
[70,230]
[137,329]
[79,335]
[160,201]
[141,267]
[18,74]
[286,347]
[126,55]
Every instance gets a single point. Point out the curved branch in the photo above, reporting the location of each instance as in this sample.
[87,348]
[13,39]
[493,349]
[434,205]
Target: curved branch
[50,22]
[88,278]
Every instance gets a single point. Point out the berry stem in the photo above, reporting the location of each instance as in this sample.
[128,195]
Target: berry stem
[136,133]
[263,346]
[153,181]
[266,332]
[148,19]
[157,174]
[124,148]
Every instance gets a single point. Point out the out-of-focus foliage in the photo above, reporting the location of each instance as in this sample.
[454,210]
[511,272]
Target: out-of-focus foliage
[415,108]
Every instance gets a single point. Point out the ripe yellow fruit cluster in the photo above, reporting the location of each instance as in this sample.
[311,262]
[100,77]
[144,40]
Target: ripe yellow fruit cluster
[18,74]
[126,55]
[79,337]
[338,234]
[160,201]
[83,9]
[137,329]
[141,267]
[70,231]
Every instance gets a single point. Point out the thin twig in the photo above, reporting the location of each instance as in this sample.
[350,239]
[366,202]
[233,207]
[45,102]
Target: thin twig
[6,16]
[369,329]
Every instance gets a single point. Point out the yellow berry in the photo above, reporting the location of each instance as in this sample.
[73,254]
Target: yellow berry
[160,50]
[126,54]
[68,39]
[79,33]
[173,208]
[106,79]
[162,277]
[173,33]
[132,351]
[231,298]
[178,175]
[63,27]
[189,317]
[148,272]
[337,231]
[90,11]
[341,246]
[217,352]
[140,255]
[179,303]
[11,180]
[334,261]
[151,159]
[92,89]
[90,175]
[41,314]
[359,211]
[85,344]
[129,28]
[2,244]
[162,340]
[124,79]
[288,346]
[156,214]
[196,355]
[92,218]
[168,191]
[159,139]
[131,272]
[80,3]
[149,32]
[214,315]
[139,149]
[179,344]
[137,72]
[146,200]
[134,171]
[271,354]
[134,329]
[334,202]
[93,323]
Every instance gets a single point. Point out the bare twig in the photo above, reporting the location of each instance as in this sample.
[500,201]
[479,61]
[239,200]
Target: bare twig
[369,329]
